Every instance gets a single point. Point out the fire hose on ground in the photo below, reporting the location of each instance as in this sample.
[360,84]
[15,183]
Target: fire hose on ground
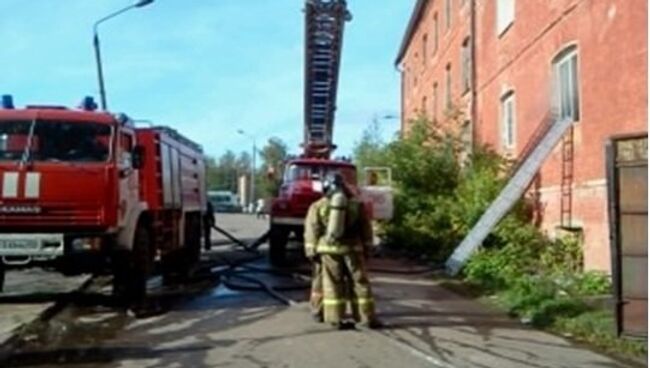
[240,270]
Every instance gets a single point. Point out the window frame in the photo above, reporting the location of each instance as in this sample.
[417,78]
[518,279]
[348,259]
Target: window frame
[424,105]
[448,87]
[501,26]
[436,33]
[435,101]
[567,56]
[466,65]
[425,55]
[508,126]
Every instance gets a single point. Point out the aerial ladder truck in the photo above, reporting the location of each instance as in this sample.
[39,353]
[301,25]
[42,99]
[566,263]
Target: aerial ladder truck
[301,185]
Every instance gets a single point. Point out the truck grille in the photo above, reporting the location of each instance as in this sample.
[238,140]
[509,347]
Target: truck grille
[301,202]
[55,217]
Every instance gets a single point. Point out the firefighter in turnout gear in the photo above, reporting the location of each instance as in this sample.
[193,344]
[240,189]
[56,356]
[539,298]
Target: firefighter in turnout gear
[338,235]
[313,231]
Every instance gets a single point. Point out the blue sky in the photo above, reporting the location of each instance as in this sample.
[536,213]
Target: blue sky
[204,67]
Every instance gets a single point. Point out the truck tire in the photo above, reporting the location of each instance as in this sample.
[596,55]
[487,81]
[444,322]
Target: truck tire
[131,269]
[177,265]
[121,268]
[278,239]
[193,232]
[142,269]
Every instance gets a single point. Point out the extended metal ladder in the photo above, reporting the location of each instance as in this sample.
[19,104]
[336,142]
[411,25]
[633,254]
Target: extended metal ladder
[515,188]
[324,23]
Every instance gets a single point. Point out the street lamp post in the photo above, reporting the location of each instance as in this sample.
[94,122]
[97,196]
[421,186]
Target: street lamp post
[98,56]
[252,187]
[376,119]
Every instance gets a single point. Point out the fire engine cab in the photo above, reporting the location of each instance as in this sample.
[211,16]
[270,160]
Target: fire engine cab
[87,191]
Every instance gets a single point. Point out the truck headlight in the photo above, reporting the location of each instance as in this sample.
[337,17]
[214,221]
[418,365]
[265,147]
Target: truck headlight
[86,244]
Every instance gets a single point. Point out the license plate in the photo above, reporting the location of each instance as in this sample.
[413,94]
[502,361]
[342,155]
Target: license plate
[18,244]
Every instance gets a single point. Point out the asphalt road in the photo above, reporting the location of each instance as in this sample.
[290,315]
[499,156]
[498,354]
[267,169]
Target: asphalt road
[208,324]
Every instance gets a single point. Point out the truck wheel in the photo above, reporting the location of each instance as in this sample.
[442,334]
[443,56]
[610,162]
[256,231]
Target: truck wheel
[177,265]
[142,264]
[278,240]
[121,266]
[193,240]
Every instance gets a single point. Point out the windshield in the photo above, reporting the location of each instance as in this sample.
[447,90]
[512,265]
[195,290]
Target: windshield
[305,172]
[55,141]
[220,198]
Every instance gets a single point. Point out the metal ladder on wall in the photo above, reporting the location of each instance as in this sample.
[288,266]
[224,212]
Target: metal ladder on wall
[510,194]
[566,186]
[324,24]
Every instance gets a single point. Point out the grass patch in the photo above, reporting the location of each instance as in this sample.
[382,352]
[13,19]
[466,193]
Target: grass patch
[597,328]
[571,317]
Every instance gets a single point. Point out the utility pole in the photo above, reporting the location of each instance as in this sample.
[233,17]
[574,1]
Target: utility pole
[253,165]
[96,45]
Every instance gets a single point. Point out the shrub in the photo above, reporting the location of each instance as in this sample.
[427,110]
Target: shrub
[438,201]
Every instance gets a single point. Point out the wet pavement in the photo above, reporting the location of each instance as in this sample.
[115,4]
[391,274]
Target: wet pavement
[210,325]
[29,294]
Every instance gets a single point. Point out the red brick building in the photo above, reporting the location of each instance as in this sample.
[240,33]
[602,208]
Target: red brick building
[514,65]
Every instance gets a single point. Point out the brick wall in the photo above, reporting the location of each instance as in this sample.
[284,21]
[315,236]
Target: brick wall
[610,41]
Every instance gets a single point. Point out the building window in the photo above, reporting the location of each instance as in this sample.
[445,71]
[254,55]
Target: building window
[466,63]
[566,84]
[436,32]
[425,56]
[435,101]
[505,15]
[447,14]
[448,101]
[466,140]
[508,134]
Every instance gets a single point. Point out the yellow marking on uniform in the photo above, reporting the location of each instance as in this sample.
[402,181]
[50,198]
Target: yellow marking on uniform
[333,302]
[333,249]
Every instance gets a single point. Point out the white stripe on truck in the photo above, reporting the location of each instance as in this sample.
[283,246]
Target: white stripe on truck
[32,185]
[10,185]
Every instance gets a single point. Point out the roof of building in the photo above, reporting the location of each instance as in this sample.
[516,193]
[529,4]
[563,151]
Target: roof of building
[416,16]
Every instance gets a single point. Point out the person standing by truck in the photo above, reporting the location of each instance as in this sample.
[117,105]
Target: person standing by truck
[208,223]
[338,235]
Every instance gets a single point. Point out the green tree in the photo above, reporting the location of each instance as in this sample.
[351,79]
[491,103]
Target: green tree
[223,173]
[211,173]
[273,156]
[370,150]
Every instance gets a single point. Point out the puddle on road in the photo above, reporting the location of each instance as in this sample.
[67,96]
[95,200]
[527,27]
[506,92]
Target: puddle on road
[223,292]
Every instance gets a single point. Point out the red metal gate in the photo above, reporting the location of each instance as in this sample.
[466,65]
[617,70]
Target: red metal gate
[627,171]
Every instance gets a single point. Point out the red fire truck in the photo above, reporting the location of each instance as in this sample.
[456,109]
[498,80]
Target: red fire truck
[86,191]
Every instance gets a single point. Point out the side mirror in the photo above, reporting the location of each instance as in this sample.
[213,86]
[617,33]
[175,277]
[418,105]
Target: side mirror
[137,157]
